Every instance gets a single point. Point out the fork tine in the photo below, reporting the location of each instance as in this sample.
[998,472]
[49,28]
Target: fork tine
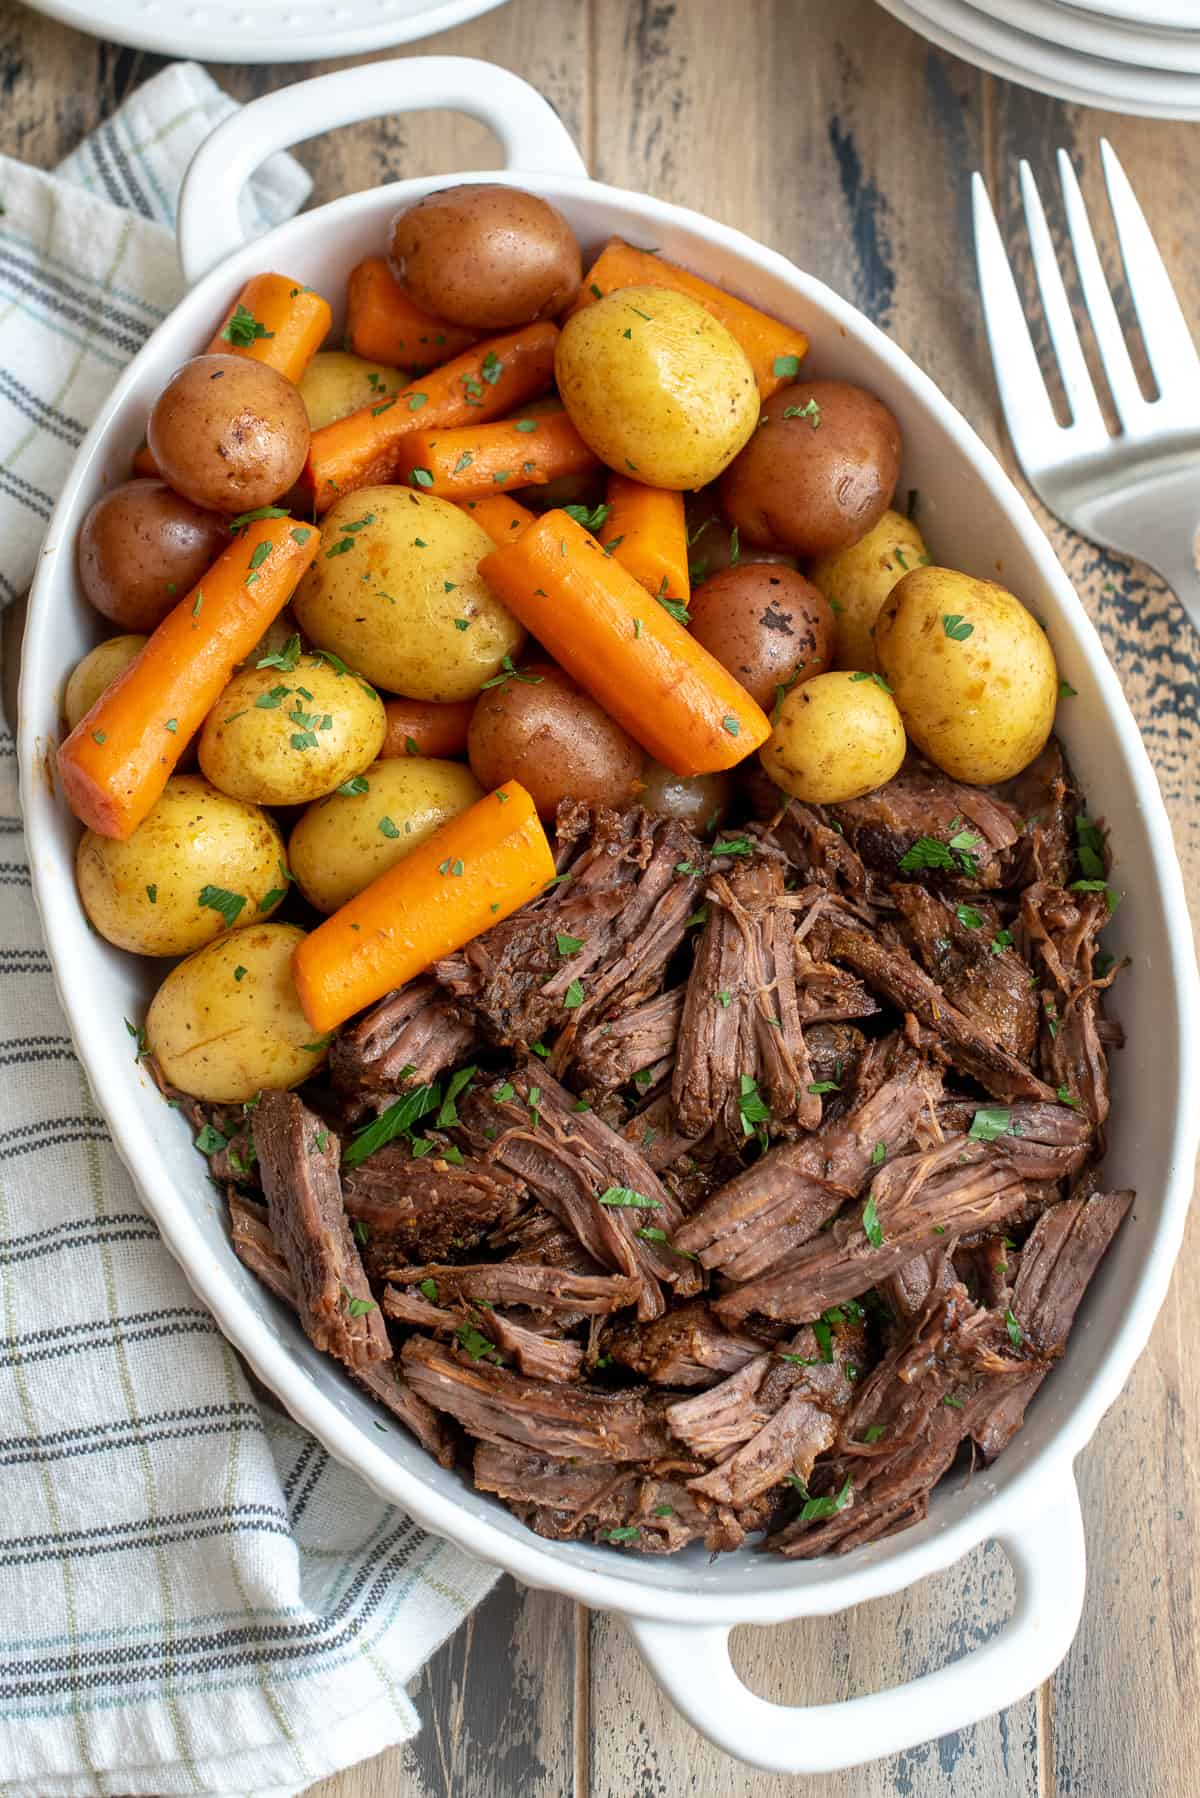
[1164,329]
[1106,326]
[1027,409]
[1077,382]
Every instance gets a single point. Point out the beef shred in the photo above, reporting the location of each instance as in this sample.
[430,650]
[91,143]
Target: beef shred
[734,1189]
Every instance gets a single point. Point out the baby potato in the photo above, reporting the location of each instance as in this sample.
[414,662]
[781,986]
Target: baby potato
[697,800]
[335,383]
[342,843]
[198,865]
[972,671]
[656,386]
[837,737]
[486,255]
[818,473]
[226,1023]
[856,581]
[98,669]
[229,433]
[539,728]
[396,591]
[283,737]
[769,626]
[141,548]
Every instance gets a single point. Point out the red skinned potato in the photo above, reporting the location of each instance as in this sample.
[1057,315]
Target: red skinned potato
[818,473]
[229,433]
[141,547]
[769,626]
[486,256]
[537,727]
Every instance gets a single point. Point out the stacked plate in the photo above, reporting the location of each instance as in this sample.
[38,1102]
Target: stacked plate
[1139,56]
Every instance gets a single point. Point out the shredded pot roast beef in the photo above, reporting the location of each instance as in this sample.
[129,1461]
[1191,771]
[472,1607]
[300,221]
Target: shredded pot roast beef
[731,1188]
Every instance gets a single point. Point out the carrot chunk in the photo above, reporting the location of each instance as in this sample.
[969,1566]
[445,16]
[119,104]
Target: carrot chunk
[274,320]
[473,872]
[116,762]
[647,533]
[624,648]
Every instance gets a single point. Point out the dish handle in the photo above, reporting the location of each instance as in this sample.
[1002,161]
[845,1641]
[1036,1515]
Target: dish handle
[531,134]
[693,1666]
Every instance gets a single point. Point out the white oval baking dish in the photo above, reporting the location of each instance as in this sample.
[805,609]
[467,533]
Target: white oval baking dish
[680,1609]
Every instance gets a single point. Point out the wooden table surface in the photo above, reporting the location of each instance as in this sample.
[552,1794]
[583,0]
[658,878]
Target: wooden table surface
[834,134]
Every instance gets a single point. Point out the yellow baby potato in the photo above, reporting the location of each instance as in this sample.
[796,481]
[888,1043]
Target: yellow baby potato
[856,581]
[972,672]
[656,386]
[396,592]
[98,670]
[335,383]
[286,734]
[226,1023]
[198,865]
[342,843]
[836,737]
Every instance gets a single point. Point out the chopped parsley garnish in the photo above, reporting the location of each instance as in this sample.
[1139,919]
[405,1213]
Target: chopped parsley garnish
[680,614]
[823,1086]
[242,328]
[879,1154]
[448,1113]
[733,846]
[573,997]
[624,1198]
[968,917]
[358,783]
[285,659]
[785,366]
[1089,847]
[1066,690]
[1016,1334]
[244,518]
[731,725]
[568,945]
[428,1289]
[869,674]
[1065,1096]
[152,893]
[872,1228]
[624,1532]
[393,1122]
[209,1140]
[874,1431]
[477,1344]
[814,1510]
[591,518]
[990,1122]
[512,673]
[388,827]
[956,627]
[809,410]
[227,905]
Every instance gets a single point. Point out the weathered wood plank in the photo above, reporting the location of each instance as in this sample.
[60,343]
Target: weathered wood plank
[638,1741]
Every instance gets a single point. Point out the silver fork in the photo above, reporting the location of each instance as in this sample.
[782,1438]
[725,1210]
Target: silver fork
[1138,492]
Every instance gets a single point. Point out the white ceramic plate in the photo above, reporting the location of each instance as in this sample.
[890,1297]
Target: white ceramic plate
[277,31]
[1092,35]
[681,1608]
[1047,68]
[1171,15]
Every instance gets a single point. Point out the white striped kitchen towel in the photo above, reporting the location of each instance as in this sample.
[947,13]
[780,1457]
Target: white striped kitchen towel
[193,1597]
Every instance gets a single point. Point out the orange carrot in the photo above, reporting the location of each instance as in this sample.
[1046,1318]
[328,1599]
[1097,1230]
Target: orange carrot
[471,873]
[624,648]
[774,349]
[647,533]
[364,448]
[383,325]
[424,727]
[144,463]
[476,459]
[500,516]
[116,762]
[274,320]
